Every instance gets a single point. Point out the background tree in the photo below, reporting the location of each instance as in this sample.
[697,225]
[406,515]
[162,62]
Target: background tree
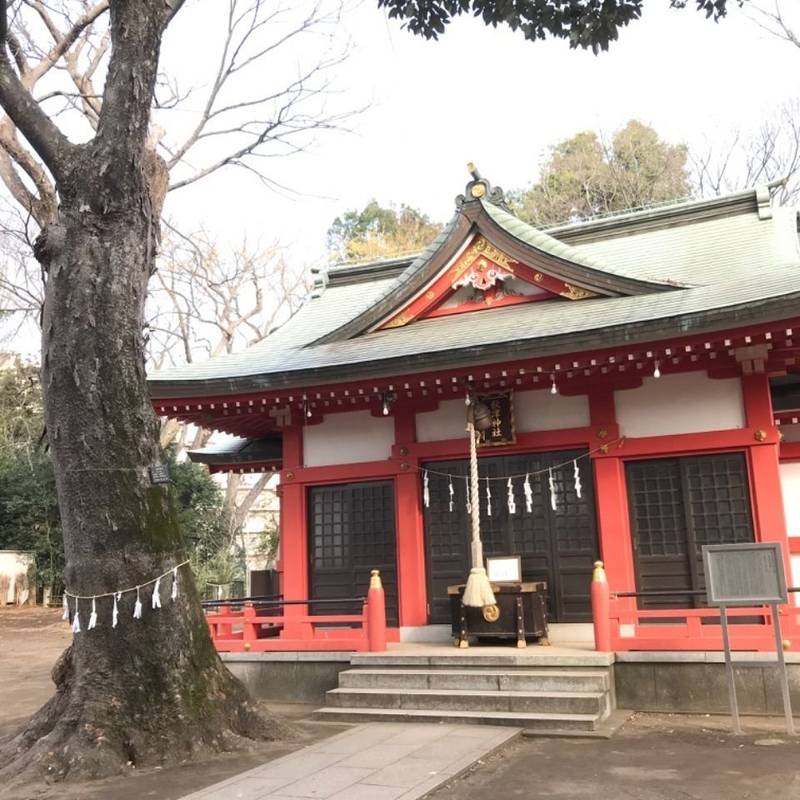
[586,175]
[380,232]
[768,155]
[29,518]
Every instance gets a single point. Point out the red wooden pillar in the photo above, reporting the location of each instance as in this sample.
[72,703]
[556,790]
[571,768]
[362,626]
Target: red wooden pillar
[764,463]
[411,576]
[293,533]
[616,545]
[611,498]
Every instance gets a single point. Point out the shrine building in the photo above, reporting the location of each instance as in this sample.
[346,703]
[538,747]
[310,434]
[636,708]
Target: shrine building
[644,384]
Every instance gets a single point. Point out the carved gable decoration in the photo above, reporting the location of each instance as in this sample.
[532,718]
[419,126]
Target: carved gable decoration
[481,277]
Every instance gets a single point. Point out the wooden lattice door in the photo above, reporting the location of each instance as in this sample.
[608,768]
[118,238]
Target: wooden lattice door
[677,505]
[352,531]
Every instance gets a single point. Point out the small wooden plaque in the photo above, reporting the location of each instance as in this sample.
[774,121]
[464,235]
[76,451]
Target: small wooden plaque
[501,431]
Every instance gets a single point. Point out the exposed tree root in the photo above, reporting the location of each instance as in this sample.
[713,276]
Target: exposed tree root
[87,731]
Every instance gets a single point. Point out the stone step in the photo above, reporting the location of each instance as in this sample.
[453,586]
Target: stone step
[532,721]
[543,680]
[510,659]
[592,703]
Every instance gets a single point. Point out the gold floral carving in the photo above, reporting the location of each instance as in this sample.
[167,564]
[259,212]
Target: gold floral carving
[480,247]
[574,293]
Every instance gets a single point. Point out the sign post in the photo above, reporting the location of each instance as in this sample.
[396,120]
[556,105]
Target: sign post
[747,575]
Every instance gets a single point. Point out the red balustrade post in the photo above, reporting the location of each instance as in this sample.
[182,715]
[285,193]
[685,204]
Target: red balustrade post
[249,633]
[601,608]
[376,614]
[212,628]
[225,629]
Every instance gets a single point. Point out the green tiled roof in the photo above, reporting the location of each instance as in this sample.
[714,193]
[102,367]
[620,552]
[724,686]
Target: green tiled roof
[543,241]
[739,263]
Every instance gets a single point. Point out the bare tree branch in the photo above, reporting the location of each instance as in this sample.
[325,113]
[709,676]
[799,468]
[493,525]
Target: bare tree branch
[765,156]
[45,137]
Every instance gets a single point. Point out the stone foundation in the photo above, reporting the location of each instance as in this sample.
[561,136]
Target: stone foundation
[689,683]
[695,683]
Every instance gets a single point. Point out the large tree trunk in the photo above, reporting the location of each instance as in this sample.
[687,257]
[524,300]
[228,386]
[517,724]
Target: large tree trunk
[152,690]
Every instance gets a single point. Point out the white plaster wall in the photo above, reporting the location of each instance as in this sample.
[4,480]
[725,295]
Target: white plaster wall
[13,563]
[689,402]
[542,411]
[795,577]
[533,411]
[348,438]
[449,421]
[790,485]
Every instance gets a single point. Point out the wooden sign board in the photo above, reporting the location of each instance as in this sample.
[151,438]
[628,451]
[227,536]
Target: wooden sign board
[744,574]
[501,431]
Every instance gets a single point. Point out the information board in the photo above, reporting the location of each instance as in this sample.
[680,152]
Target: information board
[744,574]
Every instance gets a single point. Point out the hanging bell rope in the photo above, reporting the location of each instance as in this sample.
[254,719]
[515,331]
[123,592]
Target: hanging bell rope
[478,591]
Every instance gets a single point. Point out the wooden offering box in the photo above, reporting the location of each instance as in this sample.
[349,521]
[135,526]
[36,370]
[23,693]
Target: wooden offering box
[520,614]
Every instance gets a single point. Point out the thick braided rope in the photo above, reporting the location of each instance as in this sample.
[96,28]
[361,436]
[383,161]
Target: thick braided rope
[477,555]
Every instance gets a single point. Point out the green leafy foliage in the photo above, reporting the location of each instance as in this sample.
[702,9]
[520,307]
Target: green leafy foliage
[29,515]
[584,176]
[379,232]
[29,518]
[589,24]
[205,521]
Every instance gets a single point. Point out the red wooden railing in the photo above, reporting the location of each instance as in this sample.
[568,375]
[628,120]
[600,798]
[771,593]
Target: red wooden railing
[620,626]
[250,625]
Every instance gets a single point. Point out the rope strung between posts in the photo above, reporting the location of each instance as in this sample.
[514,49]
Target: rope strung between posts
[618,442]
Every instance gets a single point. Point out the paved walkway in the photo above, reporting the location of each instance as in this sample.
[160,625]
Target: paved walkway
[376,761]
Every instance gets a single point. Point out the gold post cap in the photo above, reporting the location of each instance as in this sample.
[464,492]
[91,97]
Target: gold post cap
[375,579]
[599,572]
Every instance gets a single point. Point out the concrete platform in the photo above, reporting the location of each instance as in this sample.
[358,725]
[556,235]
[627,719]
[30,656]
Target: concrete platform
[534,655]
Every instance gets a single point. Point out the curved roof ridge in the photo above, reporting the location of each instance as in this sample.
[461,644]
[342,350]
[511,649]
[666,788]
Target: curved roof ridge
[541,240]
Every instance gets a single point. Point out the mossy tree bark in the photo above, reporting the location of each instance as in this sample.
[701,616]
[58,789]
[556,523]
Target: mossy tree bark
[151,690]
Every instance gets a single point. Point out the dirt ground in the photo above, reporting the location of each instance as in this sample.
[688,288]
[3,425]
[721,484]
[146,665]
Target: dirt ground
[653,757]
[30,642]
